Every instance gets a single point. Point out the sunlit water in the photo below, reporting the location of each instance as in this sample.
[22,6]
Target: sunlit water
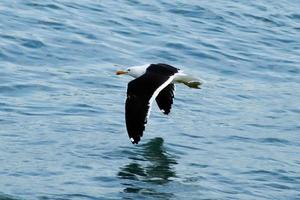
[62,128]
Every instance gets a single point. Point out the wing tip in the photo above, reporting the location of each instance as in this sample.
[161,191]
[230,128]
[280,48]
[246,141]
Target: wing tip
[134,140]
[166,112]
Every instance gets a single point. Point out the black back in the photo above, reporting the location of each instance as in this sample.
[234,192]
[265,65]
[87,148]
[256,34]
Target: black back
[162,69]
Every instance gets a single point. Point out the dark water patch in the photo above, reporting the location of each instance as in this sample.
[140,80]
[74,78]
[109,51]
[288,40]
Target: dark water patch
[258,18]
[190,180]
[279,178]
[295,110]
[262,126]
[74,183]
[186,11]
[261,172]
[228,72]
[146,34]
[43,6]
[81,109]
[242,96]
[123,32]
[197,21]
[54,25]
[105,179]
[207,44]
[83,105]
[32,43]
[115,22]
[198,165]
[51,23]
[216,29]
[84,167]
[27,174]
[112,85]
[231,56]
[192,136]
[274,141]
[201,55]
[95,7]
[24,89]
[76,42]
[75,196]
[71,5]
[8,37]
[294,16]
[4,56]
[239,138]
[184,146]
[177,46]
[278,111]
[149,7]
[127,19]
[260,7]
[134,2]
[8,197]
[278,186]
[42,143]
[152,23]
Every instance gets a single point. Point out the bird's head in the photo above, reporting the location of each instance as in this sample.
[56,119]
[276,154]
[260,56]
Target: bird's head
[135,72]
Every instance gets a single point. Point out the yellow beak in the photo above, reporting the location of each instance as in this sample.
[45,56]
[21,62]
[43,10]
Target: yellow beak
[120,72]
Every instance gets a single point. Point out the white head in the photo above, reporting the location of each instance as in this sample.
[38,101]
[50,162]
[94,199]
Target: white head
[135,71]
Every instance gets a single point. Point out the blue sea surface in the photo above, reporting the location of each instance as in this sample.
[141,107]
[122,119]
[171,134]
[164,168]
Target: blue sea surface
[62,127]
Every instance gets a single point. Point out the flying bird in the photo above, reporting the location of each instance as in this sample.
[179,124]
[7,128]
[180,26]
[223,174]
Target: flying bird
[152,82]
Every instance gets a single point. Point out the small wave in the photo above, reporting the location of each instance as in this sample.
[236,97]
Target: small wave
[43,6]
[7,197]
[23,89]
[34,44]
[274,141]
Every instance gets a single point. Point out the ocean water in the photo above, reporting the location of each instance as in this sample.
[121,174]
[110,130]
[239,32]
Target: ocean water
[62,128]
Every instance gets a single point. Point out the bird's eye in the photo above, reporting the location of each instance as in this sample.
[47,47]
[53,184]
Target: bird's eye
[128,70]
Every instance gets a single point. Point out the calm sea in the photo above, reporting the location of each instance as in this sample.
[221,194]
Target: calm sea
[62,128]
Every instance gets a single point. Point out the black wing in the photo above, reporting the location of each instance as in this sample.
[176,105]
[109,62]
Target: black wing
[164,99]
[139,93]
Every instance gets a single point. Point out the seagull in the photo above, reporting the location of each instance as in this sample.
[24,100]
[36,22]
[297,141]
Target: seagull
[152,82]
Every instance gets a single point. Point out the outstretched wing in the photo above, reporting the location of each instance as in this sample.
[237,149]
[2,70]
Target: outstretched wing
[140,94]
[164,99]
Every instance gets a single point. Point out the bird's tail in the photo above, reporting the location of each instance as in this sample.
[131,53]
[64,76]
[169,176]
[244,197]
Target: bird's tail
[188,80]
[193,84]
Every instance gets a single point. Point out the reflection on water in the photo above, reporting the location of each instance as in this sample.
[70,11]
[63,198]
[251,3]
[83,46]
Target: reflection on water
[6,197]
[144,177]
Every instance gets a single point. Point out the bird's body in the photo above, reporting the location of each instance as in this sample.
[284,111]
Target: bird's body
[180,76]
[153,82]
